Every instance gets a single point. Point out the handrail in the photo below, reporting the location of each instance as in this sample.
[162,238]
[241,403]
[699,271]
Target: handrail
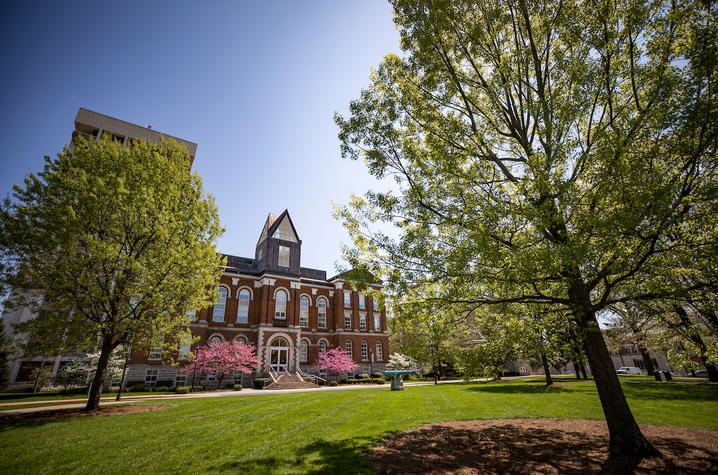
[304,375]
[272,374]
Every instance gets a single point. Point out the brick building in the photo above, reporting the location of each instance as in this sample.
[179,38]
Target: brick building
[288,312]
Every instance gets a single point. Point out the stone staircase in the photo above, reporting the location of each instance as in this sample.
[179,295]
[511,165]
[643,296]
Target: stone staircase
[291,381]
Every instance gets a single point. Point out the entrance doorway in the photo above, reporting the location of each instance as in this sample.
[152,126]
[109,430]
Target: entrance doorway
[279,355]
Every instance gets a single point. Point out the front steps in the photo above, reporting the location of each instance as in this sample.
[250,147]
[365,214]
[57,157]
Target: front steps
[291,381]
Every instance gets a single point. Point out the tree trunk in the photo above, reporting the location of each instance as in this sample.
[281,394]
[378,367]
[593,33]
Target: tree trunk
[39,374]
[626,437]
[546,369]
[712,371]
[93,399]
[647,362]
[578,372]
[583,371]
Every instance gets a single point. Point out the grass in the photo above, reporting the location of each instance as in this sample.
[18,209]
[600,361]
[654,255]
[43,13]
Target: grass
[313,432]
[31,398]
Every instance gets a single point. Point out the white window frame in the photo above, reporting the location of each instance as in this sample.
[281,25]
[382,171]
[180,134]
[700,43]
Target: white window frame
[362,302]
[151,375]
[304,311]
[375,303]
[347,300]
[323,345]
[362,322]
[181,376]
[220,306]
[379,351]
[347,321]
[321,316]
[155,353]
[364,351]
[377,323]
[348,348]
[303,351]
[281,315]
[243,309]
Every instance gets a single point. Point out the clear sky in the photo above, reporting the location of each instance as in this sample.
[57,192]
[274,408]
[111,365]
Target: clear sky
[254,84]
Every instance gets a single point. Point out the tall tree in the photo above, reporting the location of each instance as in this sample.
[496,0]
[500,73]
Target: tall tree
[120,241]
[543,153]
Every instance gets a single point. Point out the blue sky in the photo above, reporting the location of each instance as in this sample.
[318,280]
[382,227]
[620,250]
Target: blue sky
[254,84]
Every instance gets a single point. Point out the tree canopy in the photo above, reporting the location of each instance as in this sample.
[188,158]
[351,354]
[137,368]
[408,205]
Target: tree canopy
[119,242]
[548,153]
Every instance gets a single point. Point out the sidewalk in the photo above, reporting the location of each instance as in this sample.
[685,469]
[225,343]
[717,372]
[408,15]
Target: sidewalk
[56,404]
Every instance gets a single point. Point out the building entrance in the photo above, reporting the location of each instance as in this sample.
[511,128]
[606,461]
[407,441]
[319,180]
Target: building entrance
[279,355]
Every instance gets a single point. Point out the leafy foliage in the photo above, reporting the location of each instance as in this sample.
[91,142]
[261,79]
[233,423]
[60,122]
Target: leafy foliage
[335,360]
[219,358]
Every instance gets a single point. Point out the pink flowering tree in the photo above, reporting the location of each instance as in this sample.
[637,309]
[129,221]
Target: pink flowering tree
[335,360]
[220,358]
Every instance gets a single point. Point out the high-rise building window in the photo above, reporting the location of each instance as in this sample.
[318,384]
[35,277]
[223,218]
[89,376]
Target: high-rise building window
[219,305]
[283,260]
[243,307]
[304,312]
[321,313]
[280,304]
[347,321]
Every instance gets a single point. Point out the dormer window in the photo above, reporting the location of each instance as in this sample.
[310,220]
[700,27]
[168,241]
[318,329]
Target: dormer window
[283,259]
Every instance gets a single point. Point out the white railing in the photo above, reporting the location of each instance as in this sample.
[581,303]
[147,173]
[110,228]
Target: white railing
[312,378]
[273,374]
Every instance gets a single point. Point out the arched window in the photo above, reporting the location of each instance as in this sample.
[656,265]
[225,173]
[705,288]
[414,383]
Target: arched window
[322,346]
[364,351]
[219,306]
[280,304]
[304,312]
[321,313]
[241,338]
[243,307]
[215,339]
[348,348]
[303,350]
[379,351]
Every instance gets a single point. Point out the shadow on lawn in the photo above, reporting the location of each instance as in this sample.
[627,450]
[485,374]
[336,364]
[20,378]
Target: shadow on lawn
[341,456]
[529,447]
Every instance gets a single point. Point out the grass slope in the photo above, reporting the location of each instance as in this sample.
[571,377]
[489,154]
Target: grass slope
[312,432]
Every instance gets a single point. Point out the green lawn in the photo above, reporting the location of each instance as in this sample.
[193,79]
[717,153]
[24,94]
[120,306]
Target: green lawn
[312,432]
[31,398]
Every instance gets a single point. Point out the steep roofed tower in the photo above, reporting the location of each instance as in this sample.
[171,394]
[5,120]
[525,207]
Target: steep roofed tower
[279,248]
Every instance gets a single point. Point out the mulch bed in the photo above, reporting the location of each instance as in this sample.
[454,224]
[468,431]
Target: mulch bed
[540,446]
[57,414]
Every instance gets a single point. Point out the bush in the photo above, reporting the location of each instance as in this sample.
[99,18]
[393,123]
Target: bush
[237,387]
[359,381]
[162,388]
[363,376]
[140,388]
[260,383]
[229,386]
[343,381]
[378,380]
[182,389]
[377,375]
[197,388]
[167,383]
[333,383]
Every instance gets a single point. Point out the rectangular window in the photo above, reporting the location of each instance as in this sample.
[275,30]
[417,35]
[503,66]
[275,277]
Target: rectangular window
[348,348]
[362,322]
[379,351]
[283,260]
[191,315]
[184,351]
[362,304]
[321,313]
[364,351]
[180,380]
[151,376]
[155,353]
[377,323]
[375,303]
[304,312]
[237,378]
[347,299]
[347,321]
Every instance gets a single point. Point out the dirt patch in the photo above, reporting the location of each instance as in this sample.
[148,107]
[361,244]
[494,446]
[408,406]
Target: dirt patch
[540,446]
[56,414]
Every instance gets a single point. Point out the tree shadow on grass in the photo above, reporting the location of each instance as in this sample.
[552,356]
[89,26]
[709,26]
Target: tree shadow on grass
[521,389]
[317,457]
[532,446]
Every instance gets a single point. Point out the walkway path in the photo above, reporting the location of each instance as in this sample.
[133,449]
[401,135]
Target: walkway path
[57,404]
